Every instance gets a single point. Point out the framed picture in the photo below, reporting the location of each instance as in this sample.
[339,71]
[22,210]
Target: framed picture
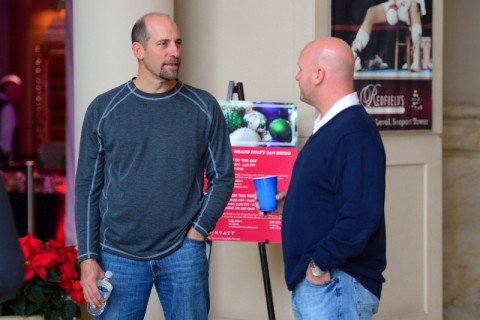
[392,45]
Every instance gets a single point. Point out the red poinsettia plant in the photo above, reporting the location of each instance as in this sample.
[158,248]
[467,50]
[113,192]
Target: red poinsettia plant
[52,282]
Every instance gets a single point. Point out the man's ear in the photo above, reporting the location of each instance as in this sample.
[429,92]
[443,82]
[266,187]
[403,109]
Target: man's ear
[319,75]
[138,50]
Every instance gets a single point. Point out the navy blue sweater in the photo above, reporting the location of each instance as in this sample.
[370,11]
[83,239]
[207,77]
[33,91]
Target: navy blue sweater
[141,167]
[334,210]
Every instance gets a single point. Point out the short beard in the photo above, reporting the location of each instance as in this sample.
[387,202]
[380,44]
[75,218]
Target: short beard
[166,75]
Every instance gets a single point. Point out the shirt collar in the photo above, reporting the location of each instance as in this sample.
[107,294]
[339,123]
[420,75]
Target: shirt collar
[342,104]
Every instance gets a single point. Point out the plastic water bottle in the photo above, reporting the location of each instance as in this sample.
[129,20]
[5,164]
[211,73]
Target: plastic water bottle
[105,287]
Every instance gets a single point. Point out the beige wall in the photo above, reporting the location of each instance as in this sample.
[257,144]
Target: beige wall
[254,42]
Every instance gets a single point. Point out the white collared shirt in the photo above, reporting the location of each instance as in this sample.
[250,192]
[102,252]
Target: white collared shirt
[342,104]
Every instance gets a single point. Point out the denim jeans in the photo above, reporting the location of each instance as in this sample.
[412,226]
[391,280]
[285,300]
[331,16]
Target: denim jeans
[342,298]
[181,281]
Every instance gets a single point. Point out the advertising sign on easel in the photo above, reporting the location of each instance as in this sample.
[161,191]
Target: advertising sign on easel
[263,136]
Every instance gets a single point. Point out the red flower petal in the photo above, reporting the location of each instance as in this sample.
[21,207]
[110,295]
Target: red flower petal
[43,260]
[76,293]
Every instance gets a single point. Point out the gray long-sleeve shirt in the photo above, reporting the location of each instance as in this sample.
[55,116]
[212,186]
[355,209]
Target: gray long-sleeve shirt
[141,167]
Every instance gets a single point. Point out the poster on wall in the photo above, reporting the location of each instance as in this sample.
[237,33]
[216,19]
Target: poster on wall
[392,44]
[264,137]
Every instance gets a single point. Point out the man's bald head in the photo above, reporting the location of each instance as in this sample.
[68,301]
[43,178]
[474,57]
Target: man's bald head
[333,54]
[326,72]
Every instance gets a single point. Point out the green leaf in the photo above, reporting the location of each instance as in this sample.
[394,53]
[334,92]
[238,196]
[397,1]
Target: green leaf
[37,295]
[53,276]
[58,300]
[19,307]
[52,315]
[32,310]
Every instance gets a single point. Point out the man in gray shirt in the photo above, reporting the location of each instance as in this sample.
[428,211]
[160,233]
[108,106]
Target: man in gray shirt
[141,208]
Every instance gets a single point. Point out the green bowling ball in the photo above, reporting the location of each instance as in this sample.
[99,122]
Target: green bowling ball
[280,130]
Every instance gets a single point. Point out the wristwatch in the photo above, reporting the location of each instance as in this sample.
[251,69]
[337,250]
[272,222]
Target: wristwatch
[316,271]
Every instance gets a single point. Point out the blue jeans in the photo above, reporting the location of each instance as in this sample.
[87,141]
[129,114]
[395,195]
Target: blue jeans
[342,297]
[181,281]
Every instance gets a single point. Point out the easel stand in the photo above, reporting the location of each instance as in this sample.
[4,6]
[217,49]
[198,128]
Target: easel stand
[266,279]
[238,89]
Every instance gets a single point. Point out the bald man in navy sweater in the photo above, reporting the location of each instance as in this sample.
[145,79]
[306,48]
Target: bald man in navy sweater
[333,223]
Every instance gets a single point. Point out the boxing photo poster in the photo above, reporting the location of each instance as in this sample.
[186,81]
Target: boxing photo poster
[264,137]
[392,45]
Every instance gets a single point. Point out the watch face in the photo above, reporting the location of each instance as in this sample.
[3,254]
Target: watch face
[316,271]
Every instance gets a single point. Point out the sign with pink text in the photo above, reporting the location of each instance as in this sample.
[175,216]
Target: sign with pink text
[263,136]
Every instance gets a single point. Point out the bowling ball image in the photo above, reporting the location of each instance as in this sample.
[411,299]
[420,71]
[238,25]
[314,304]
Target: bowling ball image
[280,130]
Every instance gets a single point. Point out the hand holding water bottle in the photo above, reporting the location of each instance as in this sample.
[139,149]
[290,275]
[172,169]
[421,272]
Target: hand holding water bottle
[105,287]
